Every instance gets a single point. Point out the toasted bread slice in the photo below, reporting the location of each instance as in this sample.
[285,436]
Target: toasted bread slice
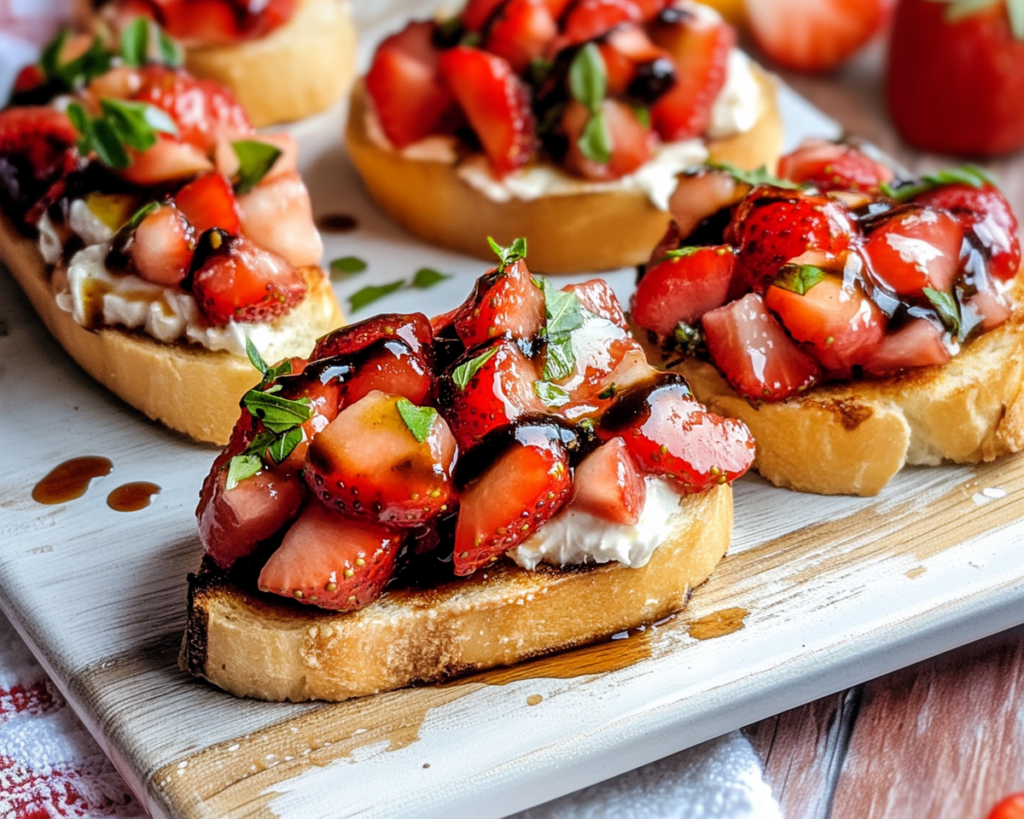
[599,230]
[262,646]
[184,386]
[850,438]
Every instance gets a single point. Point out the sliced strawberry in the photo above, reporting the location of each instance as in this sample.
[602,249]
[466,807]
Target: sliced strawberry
[986,308]
[523,488]
[36,148]
[671,434]
[331,561]
[683,288]
[631,141]
[589,19]
[917,248]
[325,396]
[390,365]
[408,94]
[412,328]
[233,280]
[478,13]
[521,32]
[833,166]
[167,161]
[700,46]
[840,326]
[598,297]
[918,343]
[500,391]
[700,195]
[754,353]
[503,303]
[369,463]
[600,350]
[609,485]
[278,216]
[985,213]
[162,246]
[634,66]
[208,202]
[496,103]
[203,22]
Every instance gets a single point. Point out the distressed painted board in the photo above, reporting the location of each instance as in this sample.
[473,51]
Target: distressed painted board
[837,591]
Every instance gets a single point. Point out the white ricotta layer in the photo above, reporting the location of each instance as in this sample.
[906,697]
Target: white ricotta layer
[573,537]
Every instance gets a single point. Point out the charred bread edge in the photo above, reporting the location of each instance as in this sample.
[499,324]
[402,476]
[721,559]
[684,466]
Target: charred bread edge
[851,438]
[184,386]
[252,645]
[571,233]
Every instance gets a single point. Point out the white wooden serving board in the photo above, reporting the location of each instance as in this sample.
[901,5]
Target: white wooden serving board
[838,590]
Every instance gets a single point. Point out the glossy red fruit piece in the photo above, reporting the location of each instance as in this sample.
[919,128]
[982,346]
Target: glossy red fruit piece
[331,561]
[683,288]
[389,365]
[815,36]
[986,308]
[162,246]
[325,397]
[754,353]
[602,356]
[671,434]
[588,19]
[917,344]
[949,85]
[631,141]
[202,22]
[984,212]
[169,161]
[833,166]
[36,147]
[699,46]
[521,32]
[503,303]
[496,103]
[408,94]
[236,281]
[840,326]
[624,50]
[597,297]
[699,195]
[368,463]
[278,216]
[609,485]
[1012,807]
[915,249]
[208,202]
[412,328]
[524,487]
[478,13]
[500,391]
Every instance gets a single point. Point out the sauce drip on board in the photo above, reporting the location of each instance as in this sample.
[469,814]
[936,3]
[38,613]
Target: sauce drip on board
[337,222]
[718,624]
[131,497]
[70,479]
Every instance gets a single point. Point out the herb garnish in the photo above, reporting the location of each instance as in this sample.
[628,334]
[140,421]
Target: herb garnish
[551,395]
[371,293]
[464,373]
[508,255]
[759,176]
[420,420]
[255,159]
[798,278]
[588,83]
[76,73]
[966,175]
[564,314]
[947,308]
[427,277]
[121,125]
[137,38]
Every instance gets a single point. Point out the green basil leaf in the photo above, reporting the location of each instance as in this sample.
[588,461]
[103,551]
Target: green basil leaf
[643,115]
[241,467]
[551,394]
[135,43]
[75,73]
[254,356]
[760,176]
[508,255]
[972,175]
[128,228]
[255,159]
[798,278]
[420,420]
[608,392]
[348,265]
[559,361]
[284,445]
[588,79]
[135,124]
[678,253]
[464,373]
[595,143]
[170,50]
[689,338]
[371,293]
[427,277]
[49,60]
[947,308]
[278,414]
[562,309]
[101,137]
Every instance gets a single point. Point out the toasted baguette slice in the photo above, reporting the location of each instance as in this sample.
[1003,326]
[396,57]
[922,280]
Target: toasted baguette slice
[850,438]
[599,230]
[298,69]
[256,645]
[184,386]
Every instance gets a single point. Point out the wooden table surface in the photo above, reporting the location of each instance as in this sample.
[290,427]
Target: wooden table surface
[943,739]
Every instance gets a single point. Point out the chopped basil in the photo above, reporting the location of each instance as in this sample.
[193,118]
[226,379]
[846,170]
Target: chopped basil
[508,255]
[76,73]
[678,253]
[643,115]
[562,309]
[760,176]
[134,221]
[464,373]
[559,360]
[608,392]
[588,79]
[427,277]
[170,50]
[241,467]
[798,278]
[254,356]
[371,293]
[348,265]
[947,308]
[255,160]
[595,143]
[135,43]
[965,175]
[551,394]
[420,420]
[277,414]
[689,338]
[284,445]
[121,125]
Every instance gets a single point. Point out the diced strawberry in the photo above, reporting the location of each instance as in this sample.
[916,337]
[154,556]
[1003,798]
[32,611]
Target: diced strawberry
[162,246]
[278,216]
[987,307]
[772,226]
[498,393]
[478,13]
[984,212]
[589,19]
[671,434]
[609,485]
[226,160]
[754,353]
[558,7]
[167,161]
[29,78]
[408,94]
[599,350]
[524,487]
[699,195]
[915,249]
[631,141]
[917,344]
[208,202]
[683,288]
[412,328]
[634,66]
[598,297]
[204,23]
[36,148]
[369,463]
[496,103]
[233,280]
[331,561]
[325,396]
[389,365]
[840,326]
[521,32]
[503,303]
[700,46]
[833,166]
